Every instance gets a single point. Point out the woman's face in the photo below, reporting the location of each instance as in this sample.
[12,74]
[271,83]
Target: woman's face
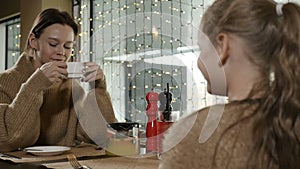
[54,44]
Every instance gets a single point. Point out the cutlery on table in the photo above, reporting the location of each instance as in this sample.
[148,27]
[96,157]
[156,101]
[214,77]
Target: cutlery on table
[9,156]
[75,164]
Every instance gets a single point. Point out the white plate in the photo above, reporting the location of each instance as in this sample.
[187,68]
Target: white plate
[46,150]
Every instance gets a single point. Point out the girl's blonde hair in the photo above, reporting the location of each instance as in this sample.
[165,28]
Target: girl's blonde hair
[273,44]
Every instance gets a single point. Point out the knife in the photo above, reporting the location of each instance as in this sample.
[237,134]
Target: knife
[9,156]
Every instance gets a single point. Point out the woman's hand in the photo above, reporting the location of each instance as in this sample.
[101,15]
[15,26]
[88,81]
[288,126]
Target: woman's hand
[56,71]
[92,72]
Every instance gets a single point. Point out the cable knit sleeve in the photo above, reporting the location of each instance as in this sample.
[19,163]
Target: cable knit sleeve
[20,116]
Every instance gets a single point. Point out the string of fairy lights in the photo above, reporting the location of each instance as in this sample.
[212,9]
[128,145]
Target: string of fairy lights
[142,45]
[136,42]
[12,41]
[13,32]
[130,40]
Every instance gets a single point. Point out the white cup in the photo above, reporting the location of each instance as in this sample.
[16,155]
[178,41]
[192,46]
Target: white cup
[74,69]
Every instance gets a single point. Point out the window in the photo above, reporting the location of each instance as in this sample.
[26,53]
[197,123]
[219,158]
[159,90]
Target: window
[142,45]
[10,31]
[13,42]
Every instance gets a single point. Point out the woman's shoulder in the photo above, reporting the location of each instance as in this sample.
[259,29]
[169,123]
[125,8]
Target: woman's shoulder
[8,76]
[233,110]
[12,78]
[22,67]
[203,123]
[191,141]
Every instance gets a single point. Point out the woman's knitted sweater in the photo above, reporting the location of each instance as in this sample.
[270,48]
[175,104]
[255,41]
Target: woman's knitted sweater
[34,111]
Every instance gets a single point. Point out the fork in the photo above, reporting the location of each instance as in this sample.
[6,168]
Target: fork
[75,164]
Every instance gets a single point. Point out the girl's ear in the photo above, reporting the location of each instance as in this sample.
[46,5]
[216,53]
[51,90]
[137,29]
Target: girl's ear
[33,41]
[223,47]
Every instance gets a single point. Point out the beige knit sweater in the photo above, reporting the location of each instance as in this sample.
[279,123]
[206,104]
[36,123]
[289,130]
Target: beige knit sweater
[184,150]
[33,111]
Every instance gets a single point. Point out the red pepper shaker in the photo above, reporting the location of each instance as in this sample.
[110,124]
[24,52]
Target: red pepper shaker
[151,128]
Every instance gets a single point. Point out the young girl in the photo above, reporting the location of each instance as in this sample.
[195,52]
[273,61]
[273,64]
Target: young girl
[258,47]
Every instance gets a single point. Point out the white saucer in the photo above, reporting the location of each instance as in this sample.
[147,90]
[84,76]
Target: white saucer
[46,150]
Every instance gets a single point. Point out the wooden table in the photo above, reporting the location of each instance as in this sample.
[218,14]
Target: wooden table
[112,163]
[97,159]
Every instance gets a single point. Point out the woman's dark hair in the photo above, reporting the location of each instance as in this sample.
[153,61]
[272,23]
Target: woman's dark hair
[49,17]
[273,44]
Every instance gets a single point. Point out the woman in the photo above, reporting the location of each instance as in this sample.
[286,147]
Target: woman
[38,103]
[257,42]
